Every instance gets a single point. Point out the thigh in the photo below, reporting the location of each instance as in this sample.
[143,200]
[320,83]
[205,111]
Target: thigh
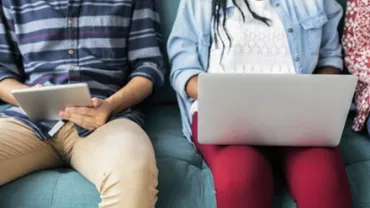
[119,159]
[240,154]
[21,152]
[118,143]
[242,174]
[316,177]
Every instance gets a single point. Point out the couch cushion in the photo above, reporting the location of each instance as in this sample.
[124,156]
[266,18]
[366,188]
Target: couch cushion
[164,128]
[181,185]
[356,155]
[354,146]
[51,189]
[3,107]
[184,179]
[359,178]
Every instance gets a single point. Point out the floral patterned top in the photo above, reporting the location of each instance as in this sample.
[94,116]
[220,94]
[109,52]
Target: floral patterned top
[356,43]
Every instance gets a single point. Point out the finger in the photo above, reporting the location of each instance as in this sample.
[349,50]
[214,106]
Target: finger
[79,111]
[38,85]
[24,112]
[83,121]
[97,102]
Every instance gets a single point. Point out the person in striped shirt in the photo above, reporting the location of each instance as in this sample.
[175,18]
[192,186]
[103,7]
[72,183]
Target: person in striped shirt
[113,46]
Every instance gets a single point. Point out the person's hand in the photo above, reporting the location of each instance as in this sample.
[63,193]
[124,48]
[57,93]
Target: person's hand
[192,87]
[37,86]
[327,70]
[89,117]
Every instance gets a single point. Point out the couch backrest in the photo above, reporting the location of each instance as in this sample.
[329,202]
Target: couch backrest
[167,10]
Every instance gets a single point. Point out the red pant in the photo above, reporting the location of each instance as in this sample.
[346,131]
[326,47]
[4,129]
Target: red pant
[243,178]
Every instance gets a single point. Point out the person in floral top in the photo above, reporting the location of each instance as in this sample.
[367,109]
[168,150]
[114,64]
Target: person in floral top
[356,43]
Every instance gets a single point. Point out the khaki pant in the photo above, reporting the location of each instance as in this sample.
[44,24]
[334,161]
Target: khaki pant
[118,158]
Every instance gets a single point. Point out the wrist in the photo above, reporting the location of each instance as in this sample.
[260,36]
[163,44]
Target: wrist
[328,70]
[114,104]
[191,87]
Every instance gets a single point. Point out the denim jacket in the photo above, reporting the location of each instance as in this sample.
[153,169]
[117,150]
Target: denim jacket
[311,29]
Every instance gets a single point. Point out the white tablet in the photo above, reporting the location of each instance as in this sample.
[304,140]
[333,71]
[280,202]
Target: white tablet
[45,103]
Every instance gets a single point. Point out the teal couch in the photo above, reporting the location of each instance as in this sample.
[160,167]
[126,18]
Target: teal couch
[184,181]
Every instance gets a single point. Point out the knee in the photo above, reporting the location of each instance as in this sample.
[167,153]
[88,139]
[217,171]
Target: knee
[322,183]
[322,170]
[131,159]
[233,186]
[243,182]
[130,184]
[325,187]
[137,171]
[319,179]
[142,166]
[242,174]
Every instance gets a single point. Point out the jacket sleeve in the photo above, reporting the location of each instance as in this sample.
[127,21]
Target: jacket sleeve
[182,47]
[331,49]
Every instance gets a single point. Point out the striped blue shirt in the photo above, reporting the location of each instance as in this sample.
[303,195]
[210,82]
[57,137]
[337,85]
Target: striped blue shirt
[103,43]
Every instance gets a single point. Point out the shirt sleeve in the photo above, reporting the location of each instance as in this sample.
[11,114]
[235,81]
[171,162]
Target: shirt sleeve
[331,49]
[182,47]
[144,52]
[10,61]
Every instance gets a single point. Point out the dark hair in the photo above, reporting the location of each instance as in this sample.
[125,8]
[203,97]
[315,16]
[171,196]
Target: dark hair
[220,5]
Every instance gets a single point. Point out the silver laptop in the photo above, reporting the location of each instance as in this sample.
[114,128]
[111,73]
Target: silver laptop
[274,110]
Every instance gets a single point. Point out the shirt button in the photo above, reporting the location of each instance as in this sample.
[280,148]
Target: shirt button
[71,52]
[70,21]
[297,59]
[290,30]
[277,5]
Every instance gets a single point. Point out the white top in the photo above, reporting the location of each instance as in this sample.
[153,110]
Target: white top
[255,47]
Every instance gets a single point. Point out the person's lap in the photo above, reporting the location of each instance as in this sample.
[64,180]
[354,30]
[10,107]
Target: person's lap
[22,153]
[118,158]
[316,177]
